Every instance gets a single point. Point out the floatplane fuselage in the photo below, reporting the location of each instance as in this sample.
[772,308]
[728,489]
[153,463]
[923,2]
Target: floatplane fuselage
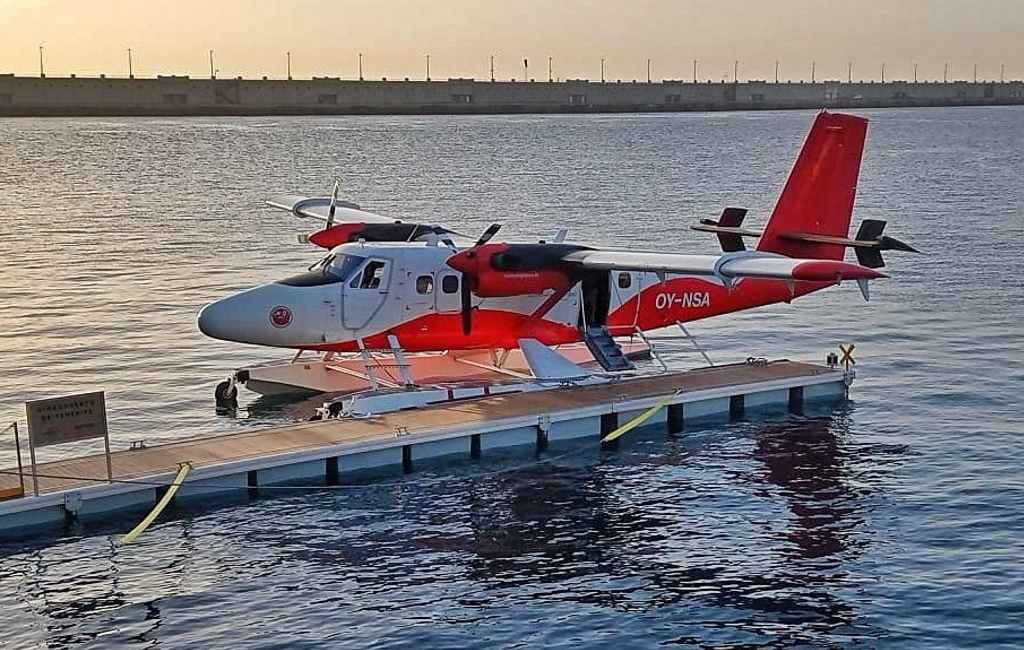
[385,281]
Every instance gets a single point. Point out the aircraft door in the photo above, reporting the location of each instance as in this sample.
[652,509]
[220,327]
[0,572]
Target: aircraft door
[596,293]
[365,293]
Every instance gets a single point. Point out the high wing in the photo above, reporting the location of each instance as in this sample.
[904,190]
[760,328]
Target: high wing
[498,269]
[319,208]
[726,267]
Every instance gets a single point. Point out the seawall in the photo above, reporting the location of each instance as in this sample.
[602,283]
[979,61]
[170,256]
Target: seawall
[181,95]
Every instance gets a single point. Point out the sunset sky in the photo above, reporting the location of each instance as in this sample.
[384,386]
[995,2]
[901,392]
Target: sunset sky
[250,37]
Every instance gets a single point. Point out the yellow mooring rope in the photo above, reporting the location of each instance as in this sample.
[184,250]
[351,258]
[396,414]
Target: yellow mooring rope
[638,420]
[183,471]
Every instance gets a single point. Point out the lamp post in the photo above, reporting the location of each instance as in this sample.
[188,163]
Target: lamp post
[492,67]
[975,73]
[814,70]
[945,73]
[213,73]
[776,71]
[428,67]
[883,71]
[360,66]
[695,71]
[550,76]
[1002,73]
[602,70]
[735,71]
[130,74]
[648,71]
[289,56]
[915,73]
[42,72]
[526,69]
[849,72]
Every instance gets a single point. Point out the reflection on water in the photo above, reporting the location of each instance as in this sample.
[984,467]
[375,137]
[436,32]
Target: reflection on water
[804,459]
[643,530]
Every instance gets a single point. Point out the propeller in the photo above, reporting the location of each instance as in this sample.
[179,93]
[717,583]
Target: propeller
[334,202]
[467,280]
[467,305]
[491,231]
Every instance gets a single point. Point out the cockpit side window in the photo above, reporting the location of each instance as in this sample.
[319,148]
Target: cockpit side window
[373,273]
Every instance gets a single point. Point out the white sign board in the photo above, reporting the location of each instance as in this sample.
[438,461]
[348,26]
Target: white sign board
[71,418]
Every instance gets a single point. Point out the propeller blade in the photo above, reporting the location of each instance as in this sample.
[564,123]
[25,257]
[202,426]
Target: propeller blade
[334,202]
[491,231]
[467,305]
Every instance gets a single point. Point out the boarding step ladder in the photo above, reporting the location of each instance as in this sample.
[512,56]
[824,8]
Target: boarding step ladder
[605,350]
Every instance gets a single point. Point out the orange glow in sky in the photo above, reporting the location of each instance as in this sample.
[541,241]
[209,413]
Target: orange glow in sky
[250,37]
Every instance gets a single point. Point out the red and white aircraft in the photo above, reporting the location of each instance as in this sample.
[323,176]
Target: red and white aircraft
[385,278]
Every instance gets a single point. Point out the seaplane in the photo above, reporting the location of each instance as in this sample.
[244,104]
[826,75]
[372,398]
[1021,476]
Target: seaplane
[396,305]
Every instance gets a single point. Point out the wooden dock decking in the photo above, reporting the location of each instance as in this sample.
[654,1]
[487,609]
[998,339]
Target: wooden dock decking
[303,436]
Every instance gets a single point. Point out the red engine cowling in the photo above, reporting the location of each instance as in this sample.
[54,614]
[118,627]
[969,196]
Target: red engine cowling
[502,284]
[489,282]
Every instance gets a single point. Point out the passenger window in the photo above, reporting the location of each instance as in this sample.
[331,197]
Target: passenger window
[625,280]
[450,284]
[372,275]
[425,284]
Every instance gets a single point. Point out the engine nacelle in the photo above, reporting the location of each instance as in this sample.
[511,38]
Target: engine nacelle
[503,284]
[482,266]
[349,232]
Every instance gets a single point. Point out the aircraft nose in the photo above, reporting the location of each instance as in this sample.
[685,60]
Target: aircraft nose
[215,320]
[271,314]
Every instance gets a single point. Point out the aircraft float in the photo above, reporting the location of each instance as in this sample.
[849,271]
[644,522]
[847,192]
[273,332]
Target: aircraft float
[472,311]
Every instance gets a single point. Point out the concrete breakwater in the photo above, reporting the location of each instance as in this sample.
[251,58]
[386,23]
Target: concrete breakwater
[181,95]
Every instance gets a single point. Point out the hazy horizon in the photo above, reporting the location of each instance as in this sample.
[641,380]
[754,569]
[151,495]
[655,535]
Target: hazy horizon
[250,38]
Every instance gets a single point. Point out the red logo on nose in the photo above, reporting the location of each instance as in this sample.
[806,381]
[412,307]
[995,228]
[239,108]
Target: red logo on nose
[280,316]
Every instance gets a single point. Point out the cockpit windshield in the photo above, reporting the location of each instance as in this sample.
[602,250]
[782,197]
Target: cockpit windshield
[344,265]
[333,267]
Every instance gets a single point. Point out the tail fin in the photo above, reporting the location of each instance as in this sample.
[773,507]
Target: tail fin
[818,196]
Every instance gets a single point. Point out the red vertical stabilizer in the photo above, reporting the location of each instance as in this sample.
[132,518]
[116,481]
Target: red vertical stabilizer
[818,196]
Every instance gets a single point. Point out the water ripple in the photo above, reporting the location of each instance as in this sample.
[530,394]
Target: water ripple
[892,521]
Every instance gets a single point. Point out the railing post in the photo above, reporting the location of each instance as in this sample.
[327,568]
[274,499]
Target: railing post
[696,345]
[651,348]
[32,457]
[17,447]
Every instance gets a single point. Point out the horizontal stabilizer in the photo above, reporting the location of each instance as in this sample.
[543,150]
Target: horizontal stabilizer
[868,244]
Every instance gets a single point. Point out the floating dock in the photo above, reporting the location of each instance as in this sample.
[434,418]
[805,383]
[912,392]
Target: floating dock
[334,452]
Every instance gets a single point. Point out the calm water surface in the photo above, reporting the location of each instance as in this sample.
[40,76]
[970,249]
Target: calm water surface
[895,520]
